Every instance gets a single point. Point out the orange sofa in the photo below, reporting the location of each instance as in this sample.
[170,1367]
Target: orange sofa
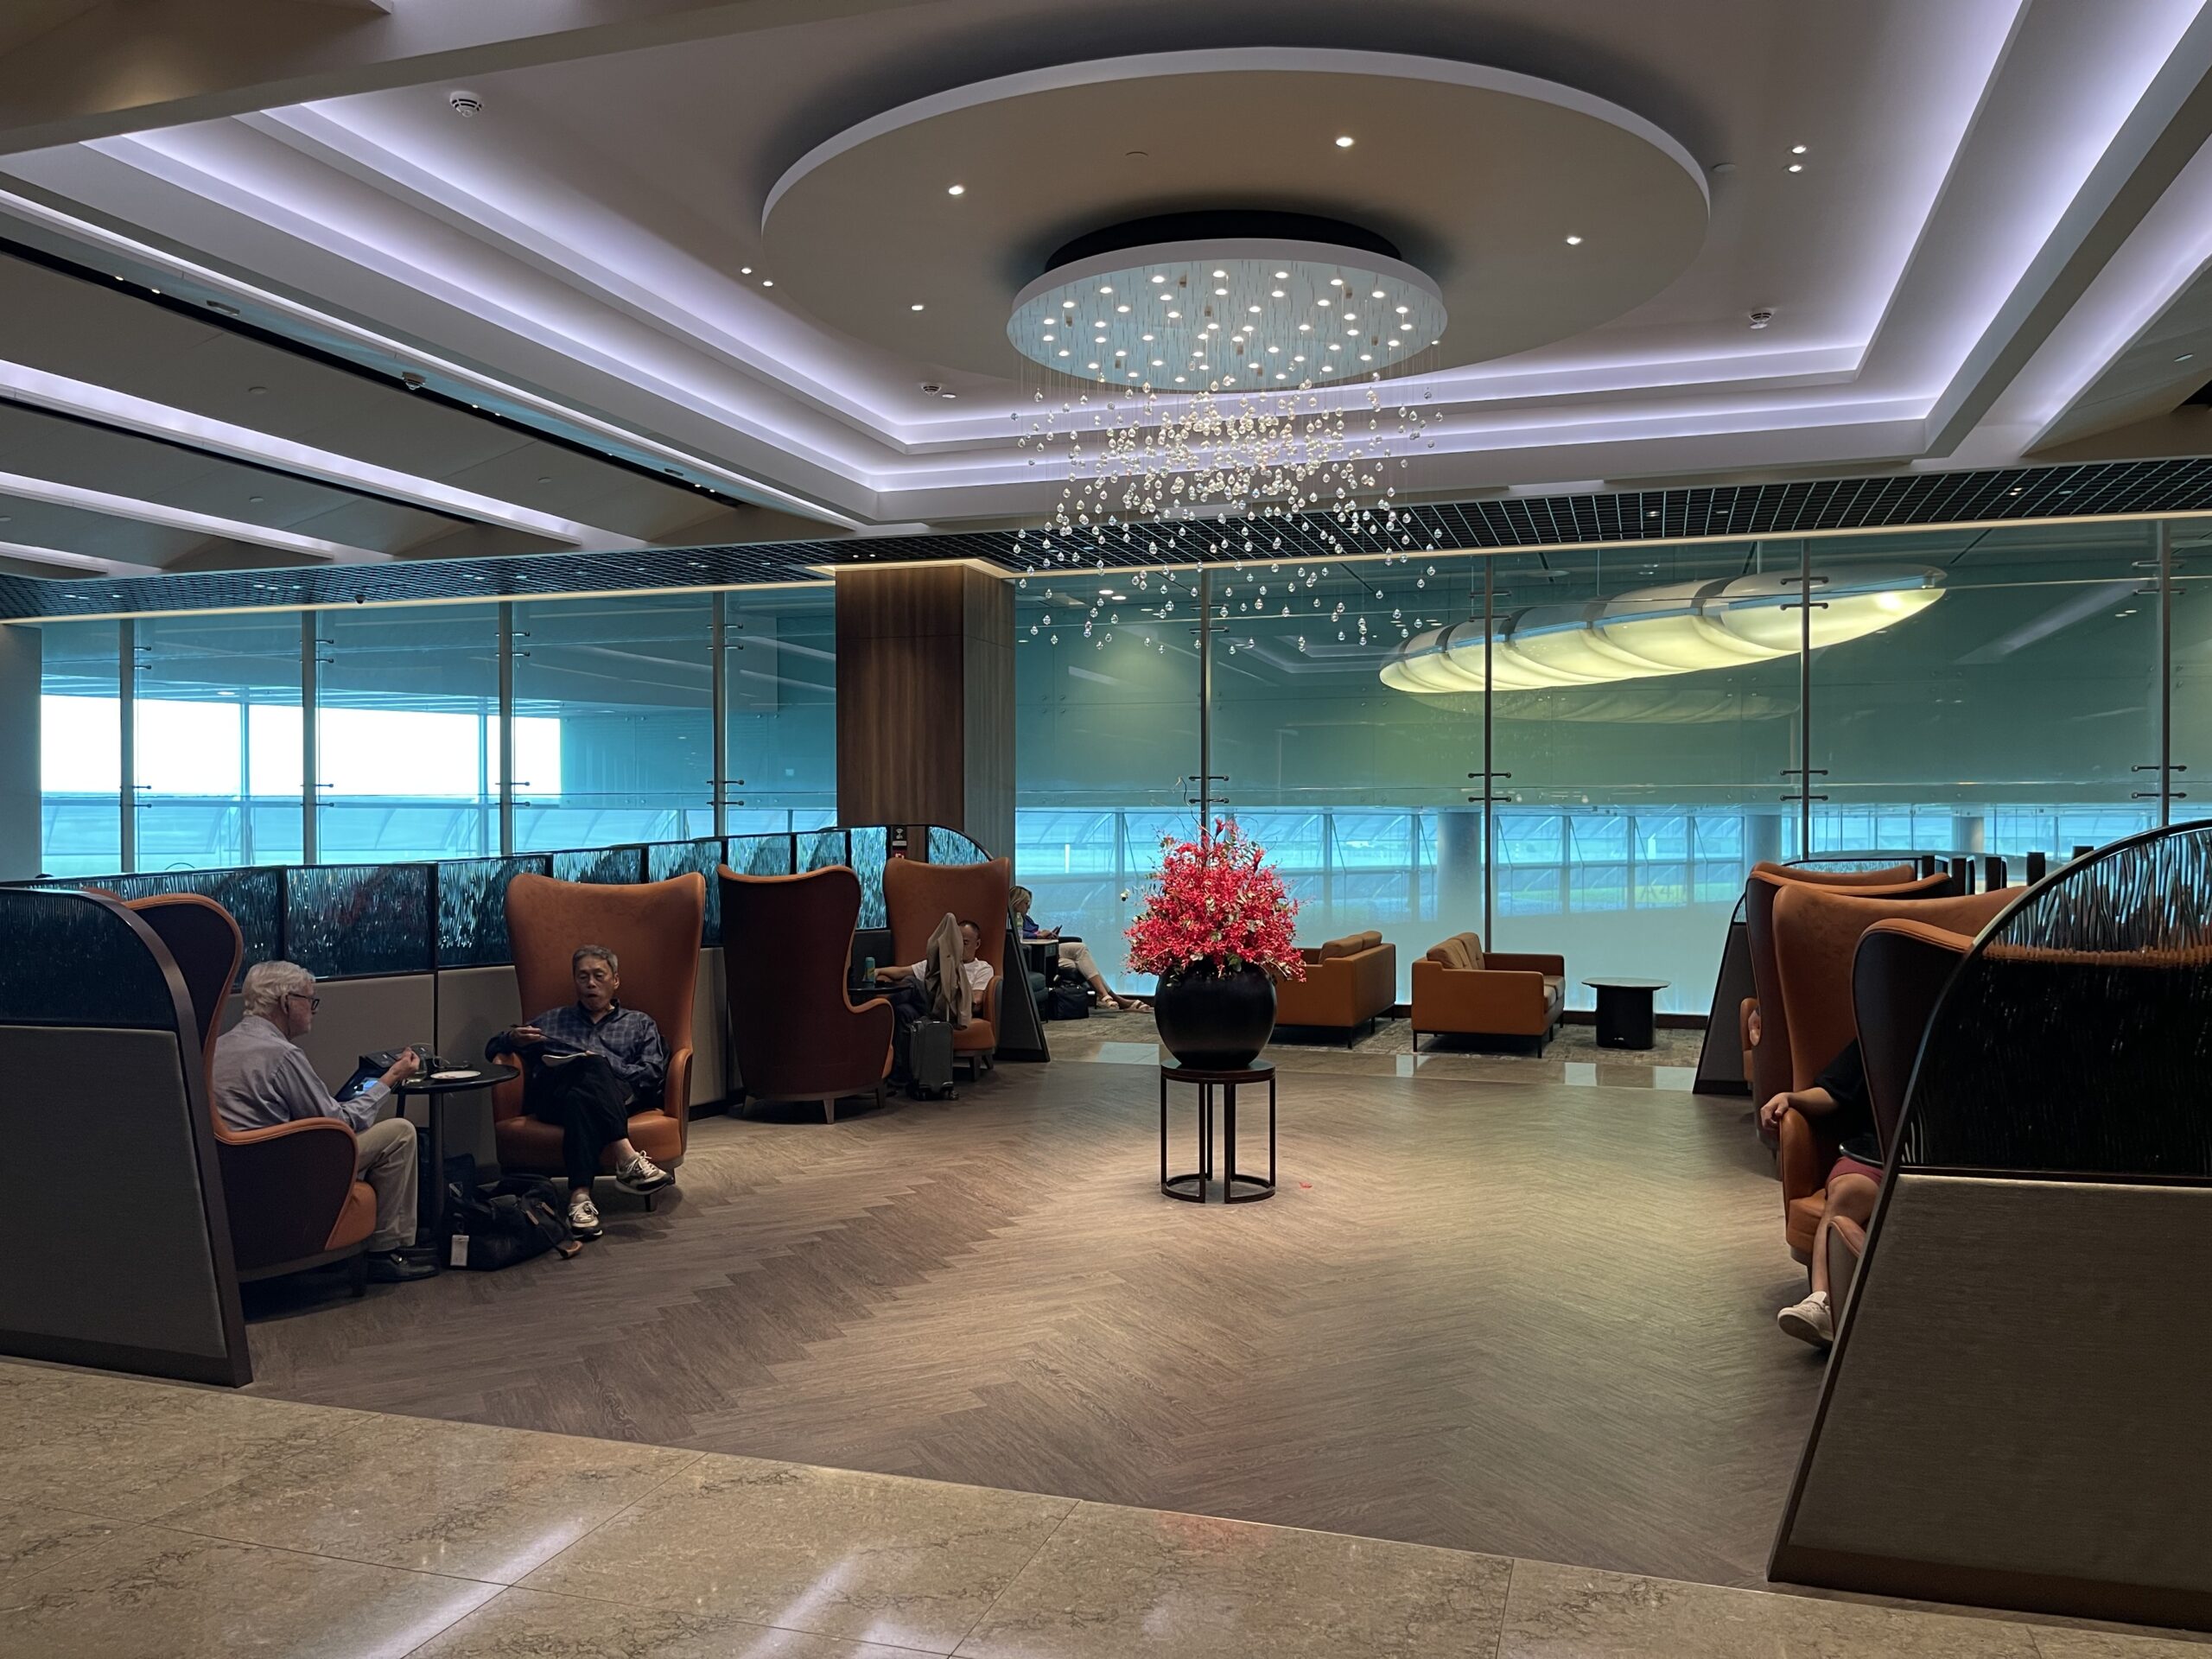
[1349,984]
[1463,991]
[1816,935]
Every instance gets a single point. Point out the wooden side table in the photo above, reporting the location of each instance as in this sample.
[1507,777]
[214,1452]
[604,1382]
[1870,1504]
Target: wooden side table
[1191,1186]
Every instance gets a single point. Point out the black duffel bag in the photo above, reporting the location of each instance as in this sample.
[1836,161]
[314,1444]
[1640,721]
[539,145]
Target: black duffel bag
[496,1225]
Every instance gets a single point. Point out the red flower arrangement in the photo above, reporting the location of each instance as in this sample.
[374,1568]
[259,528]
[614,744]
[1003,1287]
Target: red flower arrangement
[1217,906]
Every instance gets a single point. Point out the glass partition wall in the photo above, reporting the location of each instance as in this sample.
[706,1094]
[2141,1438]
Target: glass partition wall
[1644,714]
[378,734]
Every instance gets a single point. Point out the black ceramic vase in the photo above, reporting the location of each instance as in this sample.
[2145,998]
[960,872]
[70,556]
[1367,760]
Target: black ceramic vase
[1217,1022]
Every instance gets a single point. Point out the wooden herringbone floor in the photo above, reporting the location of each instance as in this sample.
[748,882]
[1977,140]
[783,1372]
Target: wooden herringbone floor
[1527,1318]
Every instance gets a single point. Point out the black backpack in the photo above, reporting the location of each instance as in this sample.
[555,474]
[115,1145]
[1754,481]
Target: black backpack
[509,1221]
[1064,1000]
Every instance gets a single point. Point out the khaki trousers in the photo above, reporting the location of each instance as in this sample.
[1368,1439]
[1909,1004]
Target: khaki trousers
[385,1158]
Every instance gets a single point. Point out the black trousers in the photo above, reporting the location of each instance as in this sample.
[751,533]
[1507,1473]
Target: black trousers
[910,1004]
[590,1103]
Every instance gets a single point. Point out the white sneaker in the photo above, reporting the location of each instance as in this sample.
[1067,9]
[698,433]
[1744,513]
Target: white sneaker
[584,1216]
[1809,1320]
[641,1174]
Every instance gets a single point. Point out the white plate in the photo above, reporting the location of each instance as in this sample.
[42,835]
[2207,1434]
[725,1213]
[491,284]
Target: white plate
[449,1076]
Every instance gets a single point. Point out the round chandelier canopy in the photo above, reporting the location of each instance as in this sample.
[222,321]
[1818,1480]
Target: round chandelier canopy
[1681,628]
[1234,302]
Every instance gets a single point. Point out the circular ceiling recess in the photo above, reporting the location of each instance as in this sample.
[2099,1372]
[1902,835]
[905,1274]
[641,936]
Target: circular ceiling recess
[1501,212]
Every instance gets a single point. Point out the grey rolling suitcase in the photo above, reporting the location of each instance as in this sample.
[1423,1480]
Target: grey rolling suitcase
[929,1055]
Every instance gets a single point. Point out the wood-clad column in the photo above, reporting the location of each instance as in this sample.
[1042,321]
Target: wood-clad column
[925,699]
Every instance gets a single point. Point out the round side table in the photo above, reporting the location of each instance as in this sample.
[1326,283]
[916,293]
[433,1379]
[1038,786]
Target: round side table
[435,1092]
[1191,1186]
[1625,1019]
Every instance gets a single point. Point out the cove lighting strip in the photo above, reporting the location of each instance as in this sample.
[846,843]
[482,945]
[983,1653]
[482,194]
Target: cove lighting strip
[204,523]
[1682,628]
[86,231]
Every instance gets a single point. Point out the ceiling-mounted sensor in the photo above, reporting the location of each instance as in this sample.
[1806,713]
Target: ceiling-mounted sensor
[465,103]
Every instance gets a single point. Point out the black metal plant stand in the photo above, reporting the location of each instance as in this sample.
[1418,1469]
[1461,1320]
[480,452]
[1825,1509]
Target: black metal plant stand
[1191,1186]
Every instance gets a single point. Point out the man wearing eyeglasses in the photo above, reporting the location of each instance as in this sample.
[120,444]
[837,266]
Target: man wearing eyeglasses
[263,1078]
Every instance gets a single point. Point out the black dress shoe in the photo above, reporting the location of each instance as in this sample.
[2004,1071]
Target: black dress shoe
[396,1267]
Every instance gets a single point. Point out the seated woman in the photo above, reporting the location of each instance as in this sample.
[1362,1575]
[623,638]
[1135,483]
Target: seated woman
[584,1066]
[1838,1100]
[1074,954]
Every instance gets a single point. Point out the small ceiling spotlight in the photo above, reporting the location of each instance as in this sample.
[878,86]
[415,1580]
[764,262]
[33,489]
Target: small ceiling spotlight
[1797,166]
[1343,141]
[1573,241]
[745,271]
[916,306]
[2184,357]
[767,282]
[1796,149]
[955,189]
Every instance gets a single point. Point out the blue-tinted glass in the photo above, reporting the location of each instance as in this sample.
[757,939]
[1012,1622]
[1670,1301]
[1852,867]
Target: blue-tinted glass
[671,858]
[614,865]
[409,717]
[782,725]
[821,849]
[255,898]
[346,920]
[218,745]
[72,961]
[80,749]
[473,908]
[613,721]
[869,853]
[950,847]
[760,855]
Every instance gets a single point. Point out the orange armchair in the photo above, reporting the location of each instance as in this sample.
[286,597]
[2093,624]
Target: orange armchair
[918,896]
[1348,983]
[654,927]
[1815,937]
[1460,989]
[289,1189]
[795,1032]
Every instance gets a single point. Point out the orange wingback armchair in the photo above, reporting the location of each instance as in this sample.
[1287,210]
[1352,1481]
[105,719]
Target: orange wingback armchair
[1816,934]
[796,1033]
[1768,1070]
[289,1189]
[918,896]
[1460,987]
[654,928]
[1348,983]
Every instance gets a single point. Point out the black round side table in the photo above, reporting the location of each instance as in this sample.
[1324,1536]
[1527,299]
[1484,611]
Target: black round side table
[435,1091]
[1625,1011]
[1190,1187]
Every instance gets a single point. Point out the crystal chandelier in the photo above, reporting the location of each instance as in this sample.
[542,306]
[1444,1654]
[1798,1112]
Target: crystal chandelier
[1183,376]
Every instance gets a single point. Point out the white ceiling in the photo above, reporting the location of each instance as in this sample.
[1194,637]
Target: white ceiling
[1991,252]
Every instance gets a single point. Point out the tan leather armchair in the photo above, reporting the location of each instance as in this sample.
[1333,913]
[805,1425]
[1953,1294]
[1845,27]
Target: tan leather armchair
[1348,983]
[1769,1071]
[289,1189]
[917,896]
[1815,935]
[654,927]
[1461,990]
[796,1032]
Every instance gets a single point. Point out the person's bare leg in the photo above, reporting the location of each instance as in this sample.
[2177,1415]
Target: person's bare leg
[1813,1320]
[1849,1195]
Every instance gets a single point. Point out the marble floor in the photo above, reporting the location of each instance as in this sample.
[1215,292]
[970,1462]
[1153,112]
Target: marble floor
[145,1521]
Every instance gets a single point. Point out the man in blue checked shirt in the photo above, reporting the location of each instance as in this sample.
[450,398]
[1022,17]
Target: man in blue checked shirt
[585,1064]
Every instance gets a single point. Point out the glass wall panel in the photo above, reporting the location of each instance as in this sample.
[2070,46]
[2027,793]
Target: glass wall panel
[218,746]
[1106,737]
[408,715]
[2018,712]
[80,749]
[1637,799]
[613,721]
[2192,673]
[782,689]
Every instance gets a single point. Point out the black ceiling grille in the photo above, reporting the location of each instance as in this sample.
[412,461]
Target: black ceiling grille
[1708,512]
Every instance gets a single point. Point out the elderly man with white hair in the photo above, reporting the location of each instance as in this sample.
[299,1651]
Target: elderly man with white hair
[262,1079]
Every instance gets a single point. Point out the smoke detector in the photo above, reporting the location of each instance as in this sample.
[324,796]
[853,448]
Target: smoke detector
[1760,319]
[931,389]
[465,103]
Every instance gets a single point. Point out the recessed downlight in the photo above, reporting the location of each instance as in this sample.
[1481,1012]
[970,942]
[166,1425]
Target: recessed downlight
[1796,149]
[916,306]
[1343,141]
[1797,166]
[1573,241]
[955,189]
